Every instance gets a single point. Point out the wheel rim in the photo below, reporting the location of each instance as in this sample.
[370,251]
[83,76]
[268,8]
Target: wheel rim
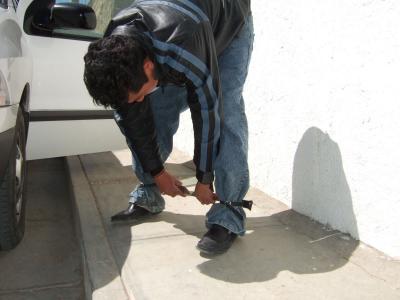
[19,180]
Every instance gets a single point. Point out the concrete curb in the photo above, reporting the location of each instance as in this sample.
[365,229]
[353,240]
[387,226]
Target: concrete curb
[101,275]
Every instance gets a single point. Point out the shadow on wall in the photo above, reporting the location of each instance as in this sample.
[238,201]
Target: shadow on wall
[319,186]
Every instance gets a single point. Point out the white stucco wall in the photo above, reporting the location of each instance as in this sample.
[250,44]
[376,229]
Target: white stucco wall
[323,104]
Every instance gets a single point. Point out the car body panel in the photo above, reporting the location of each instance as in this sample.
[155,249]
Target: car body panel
[8,116]
[58,74]
[15,77]
[73,137]
[58,89]
[15,65]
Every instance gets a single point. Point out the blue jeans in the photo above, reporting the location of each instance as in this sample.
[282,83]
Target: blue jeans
[231,168]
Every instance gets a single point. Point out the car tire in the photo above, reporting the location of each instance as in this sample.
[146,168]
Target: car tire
[13,191]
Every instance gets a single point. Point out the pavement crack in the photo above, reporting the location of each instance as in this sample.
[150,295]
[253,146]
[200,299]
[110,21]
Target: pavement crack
[110,181]
[370,274]
[339,255]
[199,233]
[167,236]
[37,288]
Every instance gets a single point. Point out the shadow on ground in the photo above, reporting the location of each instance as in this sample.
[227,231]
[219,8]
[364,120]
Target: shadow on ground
[283,241]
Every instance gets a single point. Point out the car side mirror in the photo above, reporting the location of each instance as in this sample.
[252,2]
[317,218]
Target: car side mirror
[61,20]
[72,15]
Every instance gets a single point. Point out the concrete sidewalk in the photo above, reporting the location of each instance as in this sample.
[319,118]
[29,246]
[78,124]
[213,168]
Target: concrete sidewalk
[283,255]
[46,265]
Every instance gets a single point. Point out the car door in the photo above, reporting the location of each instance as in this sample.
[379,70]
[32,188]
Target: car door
[63,119]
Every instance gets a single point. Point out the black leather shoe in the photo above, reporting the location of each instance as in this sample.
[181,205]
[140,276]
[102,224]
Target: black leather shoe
[216,241]
[133,212]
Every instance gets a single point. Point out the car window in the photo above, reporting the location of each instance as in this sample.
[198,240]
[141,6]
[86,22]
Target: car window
[104,9]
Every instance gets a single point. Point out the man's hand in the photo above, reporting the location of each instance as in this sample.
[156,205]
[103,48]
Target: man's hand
[168,184]
[205,194]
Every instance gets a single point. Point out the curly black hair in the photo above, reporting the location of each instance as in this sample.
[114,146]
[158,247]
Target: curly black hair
[113,67]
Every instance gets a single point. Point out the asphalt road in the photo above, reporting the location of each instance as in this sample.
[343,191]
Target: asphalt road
[47,264]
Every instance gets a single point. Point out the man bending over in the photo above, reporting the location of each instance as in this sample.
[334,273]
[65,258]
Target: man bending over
[158,58]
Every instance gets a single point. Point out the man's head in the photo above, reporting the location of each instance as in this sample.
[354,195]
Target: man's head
[118,70]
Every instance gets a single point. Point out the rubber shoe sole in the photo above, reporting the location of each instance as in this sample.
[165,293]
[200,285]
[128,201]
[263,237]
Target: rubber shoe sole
[136,214]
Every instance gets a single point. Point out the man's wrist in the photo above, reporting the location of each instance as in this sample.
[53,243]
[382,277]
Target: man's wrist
[205,177]
[157,172]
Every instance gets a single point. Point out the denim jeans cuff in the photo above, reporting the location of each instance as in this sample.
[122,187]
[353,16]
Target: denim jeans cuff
[148,197]
[221,215]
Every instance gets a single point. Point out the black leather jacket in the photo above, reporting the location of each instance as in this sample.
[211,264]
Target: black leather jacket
[186,37]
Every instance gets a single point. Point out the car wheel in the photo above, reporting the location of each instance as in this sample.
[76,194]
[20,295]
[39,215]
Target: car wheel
[13,191]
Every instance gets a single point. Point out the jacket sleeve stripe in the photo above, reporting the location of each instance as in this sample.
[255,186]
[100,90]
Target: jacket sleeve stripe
[177,7]
[180,52]
[204,110]
[197,9]
[204,86]
[191,61]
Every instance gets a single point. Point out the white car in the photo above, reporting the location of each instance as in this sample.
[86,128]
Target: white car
[42,44]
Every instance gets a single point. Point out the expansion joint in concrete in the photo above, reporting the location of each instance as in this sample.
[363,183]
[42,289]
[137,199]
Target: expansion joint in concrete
[37,288]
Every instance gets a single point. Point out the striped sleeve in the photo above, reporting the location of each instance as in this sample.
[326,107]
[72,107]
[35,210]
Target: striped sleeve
[196,59]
